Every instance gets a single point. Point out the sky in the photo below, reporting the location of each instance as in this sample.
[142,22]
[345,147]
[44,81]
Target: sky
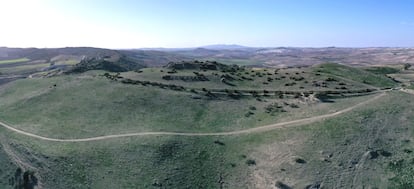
[190,23]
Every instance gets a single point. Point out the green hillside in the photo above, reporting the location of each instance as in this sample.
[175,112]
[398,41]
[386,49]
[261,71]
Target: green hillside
[233,162]
[14,60]
[258,135]
[91,105]
[355,74]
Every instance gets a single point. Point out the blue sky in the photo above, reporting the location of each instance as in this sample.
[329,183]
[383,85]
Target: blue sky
[189,23]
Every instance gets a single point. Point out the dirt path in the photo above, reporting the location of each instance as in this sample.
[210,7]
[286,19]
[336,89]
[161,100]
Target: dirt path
[409,91]
[245,131]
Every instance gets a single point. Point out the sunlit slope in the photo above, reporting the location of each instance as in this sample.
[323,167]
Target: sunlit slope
[354,149]
[355,74]
[86,105]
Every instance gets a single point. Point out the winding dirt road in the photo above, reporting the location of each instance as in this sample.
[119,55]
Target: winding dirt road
[409,91]
[244,131]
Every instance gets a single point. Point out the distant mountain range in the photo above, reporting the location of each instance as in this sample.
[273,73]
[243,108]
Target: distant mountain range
[210,47]
[225,47]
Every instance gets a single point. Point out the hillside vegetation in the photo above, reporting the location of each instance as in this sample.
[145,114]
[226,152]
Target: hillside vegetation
[355,149]
[91,105]
[47,62]
[366,140]
[355,74]
[14,60]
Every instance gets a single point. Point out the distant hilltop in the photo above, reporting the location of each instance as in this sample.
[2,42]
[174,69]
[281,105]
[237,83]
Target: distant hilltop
[225,47]
[128,59]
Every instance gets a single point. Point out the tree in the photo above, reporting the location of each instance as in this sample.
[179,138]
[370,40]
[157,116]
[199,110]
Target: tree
[407,66]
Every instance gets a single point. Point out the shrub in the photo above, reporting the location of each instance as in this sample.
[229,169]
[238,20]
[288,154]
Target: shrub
[294,105]
[330,79]
[385,153]
[290,84]
[23,180]
[250,162]
[282,185]
[408,151]
[219,142]
[254,93]
[300,160]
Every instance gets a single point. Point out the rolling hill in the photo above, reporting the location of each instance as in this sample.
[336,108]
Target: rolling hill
[204,124]
[99,118]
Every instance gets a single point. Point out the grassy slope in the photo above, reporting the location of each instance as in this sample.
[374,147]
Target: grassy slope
[23,68]
[198,162]
[240,62]
[155,74]
[89,105]
[383,70]
[14,61]
[67,62]
[7,166]
[385,125]
[355,74]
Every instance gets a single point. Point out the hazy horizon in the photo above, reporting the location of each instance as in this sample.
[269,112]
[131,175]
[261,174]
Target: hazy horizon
[205,46]
[188,24]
